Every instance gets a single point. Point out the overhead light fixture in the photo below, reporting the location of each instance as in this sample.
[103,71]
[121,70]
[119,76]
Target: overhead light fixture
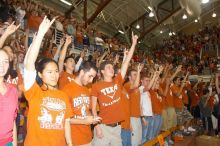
[122,32]
[196,20]
[151,14]
[205,1]
[138,26]
[213,14]
[170,34]
[174,33]
[149,8]
[184,16]
[139,42]
[161,31]
[66,2]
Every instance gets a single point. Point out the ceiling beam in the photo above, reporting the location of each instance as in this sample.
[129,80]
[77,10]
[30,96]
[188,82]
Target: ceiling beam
[100,7]
[160,22]
[73,7]
[85,13]
[166,10]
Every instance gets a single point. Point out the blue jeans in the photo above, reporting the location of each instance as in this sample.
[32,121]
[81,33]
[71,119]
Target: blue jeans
[147,131]
[126,137]
[9,144]
[157,123]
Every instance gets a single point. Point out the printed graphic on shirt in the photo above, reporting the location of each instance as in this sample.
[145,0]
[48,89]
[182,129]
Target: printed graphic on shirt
[110,92]
[52,113]
[70,79]
[81,104]
[13,81]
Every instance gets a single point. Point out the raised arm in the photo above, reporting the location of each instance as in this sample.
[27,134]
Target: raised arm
[217,83]
[56,56]
[125,64]
[135,85]
[33,51]
[9,30]
[63,53]
[179,68]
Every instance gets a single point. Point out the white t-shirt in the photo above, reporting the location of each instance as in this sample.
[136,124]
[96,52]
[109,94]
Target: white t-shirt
[99,41]
[145,102]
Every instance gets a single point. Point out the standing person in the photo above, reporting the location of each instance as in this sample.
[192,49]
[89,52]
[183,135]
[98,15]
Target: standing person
[135,114]
[49,109]
[218,109]
[146,107]
[8,96]
[67,65]
[80,102]
[108,94]
[183,115]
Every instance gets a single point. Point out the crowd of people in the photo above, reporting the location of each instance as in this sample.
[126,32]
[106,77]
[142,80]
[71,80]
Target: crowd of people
[114,96]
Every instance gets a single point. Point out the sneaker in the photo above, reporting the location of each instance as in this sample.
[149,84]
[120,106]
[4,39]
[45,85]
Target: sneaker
[191,129]
[187,133]
[171,142]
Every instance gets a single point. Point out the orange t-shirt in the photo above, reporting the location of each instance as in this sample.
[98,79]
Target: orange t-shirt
[134,95]
[211,101]
[46,117]
[34,22]
[109,99]
[126,108]
[185,96]
[156,102]
[195,99]
[65,78]
[162,89]
[80,100]
[178,101]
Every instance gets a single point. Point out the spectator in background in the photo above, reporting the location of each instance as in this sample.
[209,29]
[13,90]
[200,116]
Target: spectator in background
[99,42]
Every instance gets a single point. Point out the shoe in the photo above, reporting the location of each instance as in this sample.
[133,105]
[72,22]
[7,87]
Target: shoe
[187,133]
[191,129]
[171,142]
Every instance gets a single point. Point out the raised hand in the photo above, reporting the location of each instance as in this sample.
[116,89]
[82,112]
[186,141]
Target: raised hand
[140,67]
[45,25]
[179,68]
[61,41]
[68,40]
[11,28]
[134,39]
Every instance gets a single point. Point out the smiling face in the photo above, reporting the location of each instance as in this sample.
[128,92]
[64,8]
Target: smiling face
[108,70]
[4,63]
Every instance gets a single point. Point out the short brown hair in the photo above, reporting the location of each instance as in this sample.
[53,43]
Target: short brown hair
[103,64]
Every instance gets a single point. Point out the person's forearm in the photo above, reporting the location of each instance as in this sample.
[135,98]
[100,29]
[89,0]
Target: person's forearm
[14,135]
[2,40]
[68,132]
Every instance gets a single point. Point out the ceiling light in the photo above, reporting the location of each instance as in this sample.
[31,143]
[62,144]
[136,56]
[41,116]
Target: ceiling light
[196,20]
[213,14]
[66,2]
[151,14]
[174,33]
[184,16]
[205,1]
[139,42]
[121,32]
[170,34]
[138,26]
[149,8]
[161,31]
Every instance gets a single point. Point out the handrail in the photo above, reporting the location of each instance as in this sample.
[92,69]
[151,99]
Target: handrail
[164,134]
